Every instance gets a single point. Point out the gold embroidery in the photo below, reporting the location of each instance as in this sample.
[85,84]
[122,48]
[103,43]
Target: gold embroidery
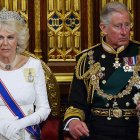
[133,80]
[71,111]
[114,112]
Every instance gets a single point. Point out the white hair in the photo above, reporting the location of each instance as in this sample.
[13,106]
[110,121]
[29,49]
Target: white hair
[110,8]
[21,30]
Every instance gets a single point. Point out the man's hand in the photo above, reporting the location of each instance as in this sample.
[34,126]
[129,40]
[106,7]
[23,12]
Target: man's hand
[78,129]
[138,105]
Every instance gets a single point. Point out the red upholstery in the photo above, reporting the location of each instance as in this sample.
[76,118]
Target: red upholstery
[50,129]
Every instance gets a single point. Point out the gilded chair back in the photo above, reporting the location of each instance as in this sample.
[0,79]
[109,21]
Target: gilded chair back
[52,87]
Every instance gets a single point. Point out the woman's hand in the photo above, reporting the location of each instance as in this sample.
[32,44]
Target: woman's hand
[4,130]
[78,129]
[12,132]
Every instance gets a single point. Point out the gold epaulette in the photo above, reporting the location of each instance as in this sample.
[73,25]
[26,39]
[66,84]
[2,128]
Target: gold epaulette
[71,112]
[81,72]
[134,41]
[86,50]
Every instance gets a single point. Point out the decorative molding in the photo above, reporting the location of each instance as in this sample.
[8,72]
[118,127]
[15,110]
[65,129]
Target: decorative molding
[63,77]
[37,50]
[90,23]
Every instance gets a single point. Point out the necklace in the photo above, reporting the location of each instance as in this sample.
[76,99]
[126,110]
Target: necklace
[109,49]
[10,65]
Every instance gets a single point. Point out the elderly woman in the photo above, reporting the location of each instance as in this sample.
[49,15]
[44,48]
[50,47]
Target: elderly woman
[23,96]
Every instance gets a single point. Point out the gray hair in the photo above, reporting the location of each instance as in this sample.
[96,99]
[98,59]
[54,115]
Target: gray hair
[21,30]
[111,7]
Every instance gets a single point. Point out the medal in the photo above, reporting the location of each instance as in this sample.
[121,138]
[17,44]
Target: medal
[117,64]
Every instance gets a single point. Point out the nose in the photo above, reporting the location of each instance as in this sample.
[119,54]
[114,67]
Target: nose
[124,30]
[5,41]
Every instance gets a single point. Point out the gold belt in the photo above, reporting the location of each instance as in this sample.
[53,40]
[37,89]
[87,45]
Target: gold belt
[114,112]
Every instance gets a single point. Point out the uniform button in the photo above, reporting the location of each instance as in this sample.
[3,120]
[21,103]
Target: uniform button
[108,118]
[107,105]
[104,81]
[103,68]
[127,104]
[103,56]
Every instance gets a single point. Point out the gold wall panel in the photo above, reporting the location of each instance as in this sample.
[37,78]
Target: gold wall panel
[63,27]
[37,50]
[17,5]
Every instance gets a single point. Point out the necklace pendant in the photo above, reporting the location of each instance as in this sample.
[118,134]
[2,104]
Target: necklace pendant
[7,67]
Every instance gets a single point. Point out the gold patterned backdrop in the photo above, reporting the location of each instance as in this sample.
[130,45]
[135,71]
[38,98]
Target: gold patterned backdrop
[63,23]
[17,5]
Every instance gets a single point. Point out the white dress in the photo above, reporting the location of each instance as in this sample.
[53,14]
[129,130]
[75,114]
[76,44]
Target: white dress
[27,86]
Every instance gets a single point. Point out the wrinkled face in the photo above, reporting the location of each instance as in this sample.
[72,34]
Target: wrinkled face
[117,32]
[8,43]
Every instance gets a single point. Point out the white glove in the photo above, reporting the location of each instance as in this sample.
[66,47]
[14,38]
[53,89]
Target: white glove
[3,129]
[13,130]
[15,126]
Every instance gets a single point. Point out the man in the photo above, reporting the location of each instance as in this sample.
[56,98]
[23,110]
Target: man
[105,87]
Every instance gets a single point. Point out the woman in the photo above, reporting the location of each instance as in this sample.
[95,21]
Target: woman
[23,96]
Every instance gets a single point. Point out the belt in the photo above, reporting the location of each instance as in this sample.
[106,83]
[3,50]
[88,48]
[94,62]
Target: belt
[114,112]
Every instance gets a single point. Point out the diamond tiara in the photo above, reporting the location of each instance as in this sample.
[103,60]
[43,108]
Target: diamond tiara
[6,15]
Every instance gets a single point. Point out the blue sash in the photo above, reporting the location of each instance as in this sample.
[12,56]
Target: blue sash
[16,110]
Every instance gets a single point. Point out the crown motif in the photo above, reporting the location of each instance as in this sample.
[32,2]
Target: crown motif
[6,15]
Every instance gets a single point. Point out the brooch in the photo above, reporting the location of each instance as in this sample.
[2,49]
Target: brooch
[29,74]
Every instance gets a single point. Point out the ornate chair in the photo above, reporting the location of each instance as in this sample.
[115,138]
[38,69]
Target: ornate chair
[51,127]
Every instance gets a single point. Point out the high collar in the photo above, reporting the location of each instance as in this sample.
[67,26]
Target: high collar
[110,49]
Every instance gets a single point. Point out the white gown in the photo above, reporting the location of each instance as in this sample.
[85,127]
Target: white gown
[27,86]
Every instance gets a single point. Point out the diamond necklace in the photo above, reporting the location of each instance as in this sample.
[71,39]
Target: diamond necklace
[10,65]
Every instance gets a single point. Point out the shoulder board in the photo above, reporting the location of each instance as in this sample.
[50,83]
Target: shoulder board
[86,50]
[134,41]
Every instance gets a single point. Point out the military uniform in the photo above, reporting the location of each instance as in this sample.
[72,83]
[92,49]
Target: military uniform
[104,84]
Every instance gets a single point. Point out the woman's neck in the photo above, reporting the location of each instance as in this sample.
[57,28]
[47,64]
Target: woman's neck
[8,63]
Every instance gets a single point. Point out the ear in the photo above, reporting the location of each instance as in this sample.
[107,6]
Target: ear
[103,28]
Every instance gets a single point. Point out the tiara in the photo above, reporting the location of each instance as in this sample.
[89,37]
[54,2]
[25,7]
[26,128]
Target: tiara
[6,15]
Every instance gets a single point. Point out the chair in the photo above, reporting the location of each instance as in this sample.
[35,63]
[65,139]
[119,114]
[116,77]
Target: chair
[51,127]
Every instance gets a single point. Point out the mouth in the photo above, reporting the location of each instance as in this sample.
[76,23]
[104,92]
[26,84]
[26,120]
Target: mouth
[123,39]
[5,50]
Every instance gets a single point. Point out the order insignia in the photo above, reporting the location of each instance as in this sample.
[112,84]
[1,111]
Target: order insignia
[128,68]
[29,74]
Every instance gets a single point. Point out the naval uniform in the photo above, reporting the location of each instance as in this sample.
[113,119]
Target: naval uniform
[104,84]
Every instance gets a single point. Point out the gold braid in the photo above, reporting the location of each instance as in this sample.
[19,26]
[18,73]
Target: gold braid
[89,74]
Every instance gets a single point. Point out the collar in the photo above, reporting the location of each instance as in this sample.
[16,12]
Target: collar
[110,49]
